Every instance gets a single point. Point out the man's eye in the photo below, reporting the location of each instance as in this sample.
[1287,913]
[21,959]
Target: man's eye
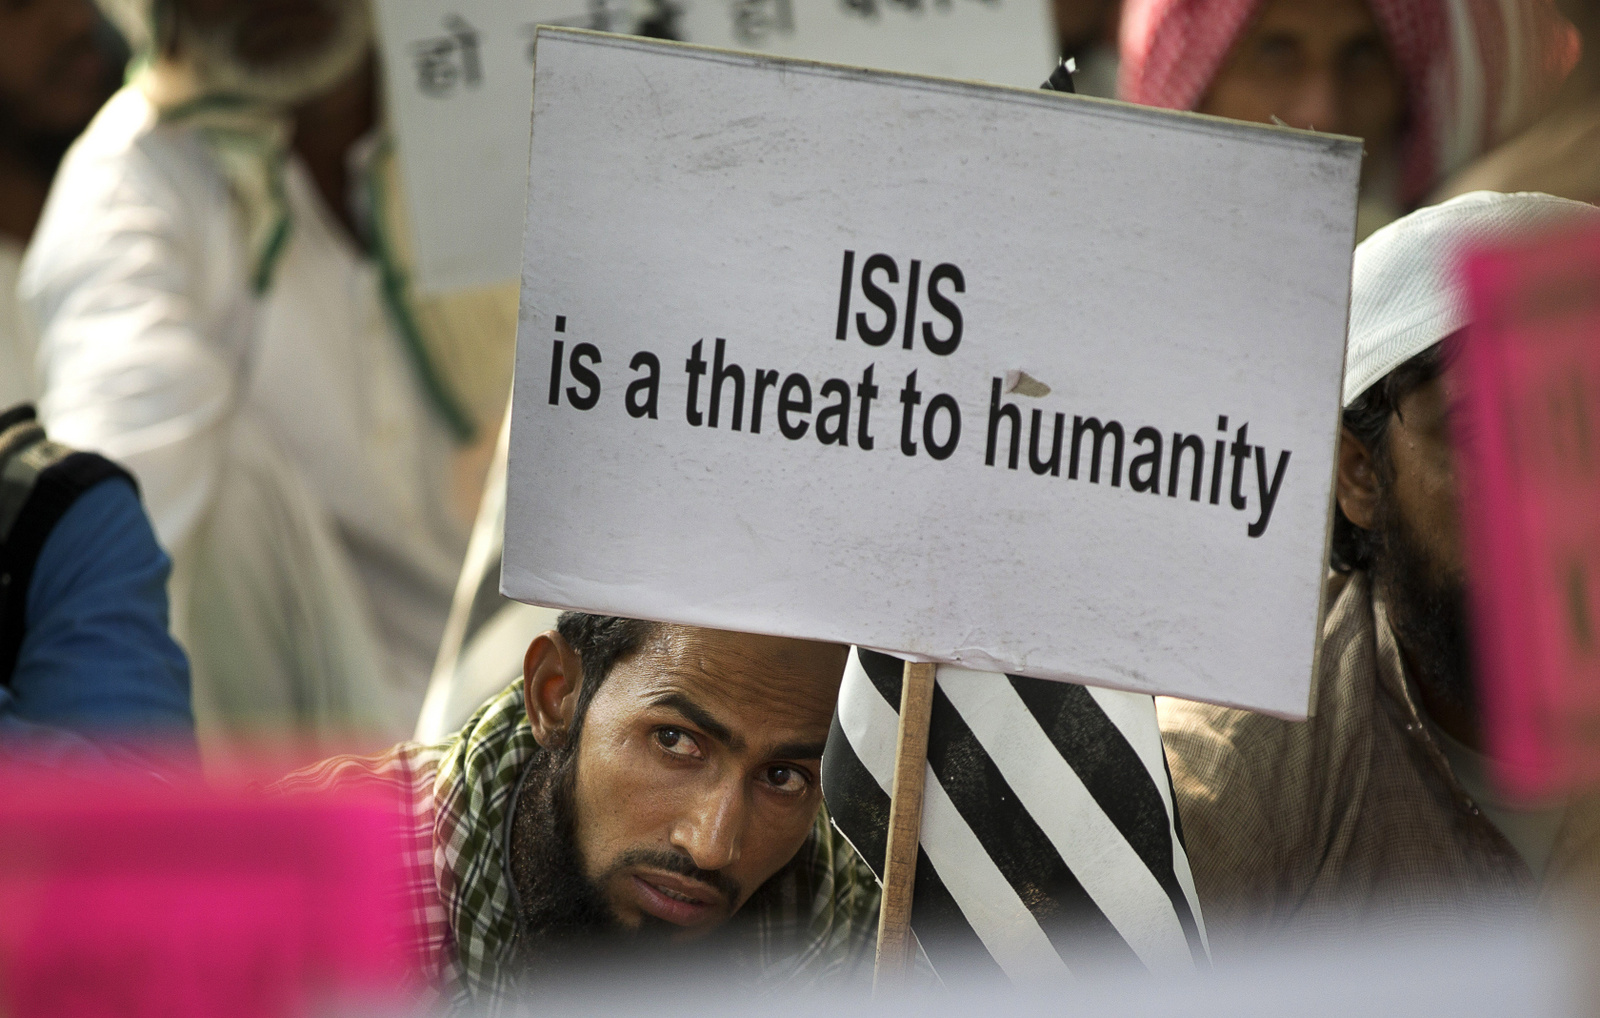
[787,779]
[1365,57]
[1279,56]
[677,742]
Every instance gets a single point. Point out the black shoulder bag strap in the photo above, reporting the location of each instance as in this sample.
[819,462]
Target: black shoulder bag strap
[39,481]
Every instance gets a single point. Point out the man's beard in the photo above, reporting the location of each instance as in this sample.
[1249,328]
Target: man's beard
[561,913]
[1428,612]
[566,928]
[213,57]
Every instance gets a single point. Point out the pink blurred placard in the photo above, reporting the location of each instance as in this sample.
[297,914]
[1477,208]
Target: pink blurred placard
[121,896]
[1529,469]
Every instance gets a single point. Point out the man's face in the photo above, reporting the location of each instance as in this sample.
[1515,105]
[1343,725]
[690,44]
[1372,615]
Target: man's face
[1315,64]
[52,75]
[698,772]
[1419,567]
[275,50]
[1423,481]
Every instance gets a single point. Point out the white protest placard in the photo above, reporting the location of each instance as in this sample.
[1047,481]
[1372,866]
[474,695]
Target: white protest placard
[458,77]
[1002,378]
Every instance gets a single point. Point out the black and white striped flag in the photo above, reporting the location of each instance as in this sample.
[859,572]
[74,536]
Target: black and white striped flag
[1050,847]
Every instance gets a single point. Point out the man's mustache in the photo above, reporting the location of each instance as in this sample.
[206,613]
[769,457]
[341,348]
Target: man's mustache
[683,866]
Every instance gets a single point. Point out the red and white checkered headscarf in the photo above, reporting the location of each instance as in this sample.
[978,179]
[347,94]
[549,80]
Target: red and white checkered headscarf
[1474,71]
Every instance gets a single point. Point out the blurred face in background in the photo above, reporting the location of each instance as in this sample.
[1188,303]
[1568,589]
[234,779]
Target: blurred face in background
[53,73]
[1316,64]
[277,51]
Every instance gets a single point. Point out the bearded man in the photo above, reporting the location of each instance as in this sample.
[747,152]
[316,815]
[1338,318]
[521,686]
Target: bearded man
[220,287]
[1378,807]
[642,786]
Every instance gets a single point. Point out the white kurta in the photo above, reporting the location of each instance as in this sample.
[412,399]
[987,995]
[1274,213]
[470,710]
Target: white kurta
[154,350]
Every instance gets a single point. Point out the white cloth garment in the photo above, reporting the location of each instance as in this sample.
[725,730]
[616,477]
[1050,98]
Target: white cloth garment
[1532,828]
[16,355]
[1405,294]
[280,440]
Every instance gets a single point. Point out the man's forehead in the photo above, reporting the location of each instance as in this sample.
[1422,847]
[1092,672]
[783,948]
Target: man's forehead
[791,682]
[1436,398]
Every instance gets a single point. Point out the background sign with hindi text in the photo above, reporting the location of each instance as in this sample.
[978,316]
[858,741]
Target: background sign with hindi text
[1007,42]
[458,75]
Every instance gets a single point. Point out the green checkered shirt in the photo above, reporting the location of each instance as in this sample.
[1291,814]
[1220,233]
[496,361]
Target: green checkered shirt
[815,921]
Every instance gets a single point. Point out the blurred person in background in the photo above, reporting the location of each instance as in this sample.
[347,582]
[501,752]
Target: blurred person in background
[1378,809]
[84,645]
[1086,31]
[1559,153]
[642,787]
[1428,85]
[55,71]
[221,290]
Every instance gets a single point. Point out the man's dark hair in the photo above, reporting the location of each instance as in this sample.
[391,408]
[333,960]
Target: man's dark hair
[600,641]
[1368,419]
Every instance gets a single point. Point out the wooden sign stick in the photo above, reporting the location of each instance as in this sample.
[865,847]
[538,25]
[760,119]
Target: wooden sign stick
[905,827]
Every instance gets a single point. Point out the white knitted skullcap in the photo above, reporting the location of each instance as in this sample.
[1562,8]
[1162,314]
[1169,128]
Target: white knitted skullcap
[1405,294]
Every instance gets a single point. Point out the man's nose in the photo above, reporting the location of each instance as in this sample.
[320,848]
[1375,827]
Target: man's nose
[1316,105]
[714,827]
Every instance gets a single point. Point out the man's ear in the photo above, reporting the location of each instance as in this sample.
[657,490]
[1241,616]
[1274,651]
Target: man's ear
[551,677]
[1357,485]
